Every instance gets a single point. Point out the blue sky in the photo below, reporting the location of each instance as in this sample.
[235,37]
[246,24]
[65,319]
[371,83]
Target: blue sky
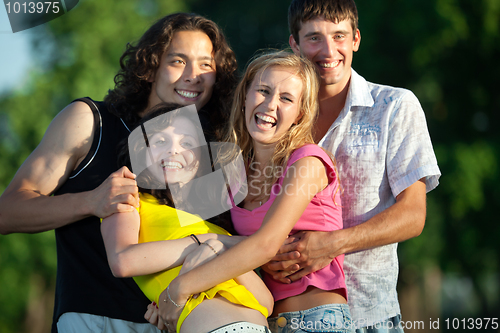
[15,57]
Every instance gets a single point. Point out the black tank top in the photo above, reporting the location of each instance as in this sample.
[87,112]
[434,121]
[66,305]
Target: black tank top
[84,280]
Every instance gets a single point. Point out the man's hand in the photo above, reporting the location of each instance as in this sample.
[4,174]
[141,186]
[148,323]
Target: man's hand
[117,194]
[303,253]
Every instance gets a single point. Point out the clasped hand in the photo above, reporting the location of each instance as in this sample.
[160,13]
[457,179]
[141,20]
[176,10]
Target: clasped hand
[302,253]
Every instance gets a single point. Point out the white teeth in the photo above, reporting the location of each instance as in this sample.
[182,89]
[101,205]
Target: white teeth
[265,118]
[188,94]
[171,165]
[329,65]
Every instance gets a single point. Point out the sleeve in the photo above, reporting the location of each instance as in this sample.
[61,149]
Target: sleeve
[410,155]
[316,151]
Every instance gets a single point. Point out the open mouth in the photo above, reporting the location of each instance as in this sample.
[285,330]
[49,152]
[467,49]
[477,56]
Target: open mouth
[171,165]
[265,121]
[332,64]
[188,94]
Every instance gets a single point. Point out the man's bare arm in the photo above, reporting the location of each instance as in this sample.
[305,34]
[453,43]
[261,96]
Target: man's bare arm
[309,251]
[27,205]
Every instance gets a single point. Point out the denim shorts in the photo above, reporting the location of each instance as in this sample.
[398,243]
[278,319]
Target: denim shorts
[391,325]
[323,318]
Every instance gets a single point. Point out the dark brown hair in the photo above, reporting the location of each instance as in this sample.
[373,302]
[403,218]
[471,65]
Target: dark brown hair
[148,183]
[140,62]
[331,10]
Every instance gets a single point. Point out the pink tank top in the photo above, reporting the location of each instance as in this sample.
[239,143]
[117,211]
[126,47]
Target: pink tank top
[324,213]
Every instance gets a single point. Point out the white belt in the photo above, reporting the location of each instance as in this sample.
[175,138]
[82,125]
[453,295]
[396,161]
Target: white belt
[241,327]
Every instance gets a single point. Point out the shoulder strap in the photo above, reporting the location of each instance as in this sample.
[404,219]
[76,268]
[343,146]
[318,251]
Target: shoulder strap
[314,151]
[96,140]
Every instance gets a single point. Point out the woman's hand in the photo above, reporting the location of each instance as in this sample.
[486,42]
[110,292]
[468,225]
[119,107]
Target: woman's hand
[171,306]
[172,303]
[204,253]
[152,316]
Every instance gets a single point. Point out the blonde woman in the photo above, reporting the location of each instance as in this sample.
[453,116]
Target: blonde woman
[292,186]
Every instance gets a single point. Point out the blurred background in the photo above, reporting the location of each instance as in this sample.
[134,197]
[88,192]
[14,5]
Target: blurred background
[446,51]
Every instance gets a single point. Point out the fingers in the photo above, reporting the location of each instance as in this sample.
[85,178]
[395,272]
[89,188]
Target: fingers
[153,317]
[290,239]
[287,258]
[171,325]
[282,266]
[161,325]
[287,247]
[282,274]
[283,262]
[126,199]
[123,172]
[151,314]
[116,194]
[126,175]
[300,274]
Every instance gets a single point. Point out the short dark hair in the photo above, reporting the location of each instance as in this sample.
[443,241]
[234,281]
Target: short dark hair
[140,62]
[332,10]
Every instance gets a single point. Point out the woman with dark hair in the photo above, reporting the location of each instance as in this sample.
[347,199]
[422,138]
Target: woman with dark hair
[165,237]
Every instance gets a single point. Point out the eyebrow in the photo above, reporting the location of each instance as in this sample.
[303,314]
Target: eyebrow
[182,55]
[266,86]
[262,85]
[181,133]
[315,33]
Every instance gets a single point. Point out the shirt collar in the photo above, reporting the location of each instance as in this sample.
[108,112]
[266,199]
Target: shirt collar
[359,92]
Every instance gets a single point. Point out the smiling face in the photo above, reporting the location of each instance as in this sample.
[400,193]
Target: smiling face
[187,72]
[272,104]
[330,47]
[175,152]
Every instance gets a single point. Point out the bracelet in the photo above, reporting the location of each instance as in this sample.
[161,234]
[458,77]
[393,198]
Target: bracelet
[193,236]
[210,246]
[171,300]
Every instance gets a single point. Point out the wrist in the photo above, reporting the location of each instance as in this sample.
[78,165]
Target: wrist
[343,245]
[171,299]
[83,206]
[176,293]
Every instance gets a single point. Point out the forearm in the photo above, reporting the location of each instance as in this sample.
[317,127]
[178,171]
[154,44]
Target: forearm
[150,257]
[403,220]
[31,212]
[309,251]
[226,266]
[395,224]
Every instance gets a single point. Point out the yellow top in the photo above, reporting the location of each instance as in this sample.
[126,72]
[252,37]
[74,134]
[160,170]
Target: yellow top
[161,222]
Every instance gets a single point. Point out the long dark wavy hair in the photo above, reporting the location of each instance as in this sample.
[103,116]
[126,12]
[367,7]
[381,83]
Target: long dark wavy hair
[153,186]
[141,61]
